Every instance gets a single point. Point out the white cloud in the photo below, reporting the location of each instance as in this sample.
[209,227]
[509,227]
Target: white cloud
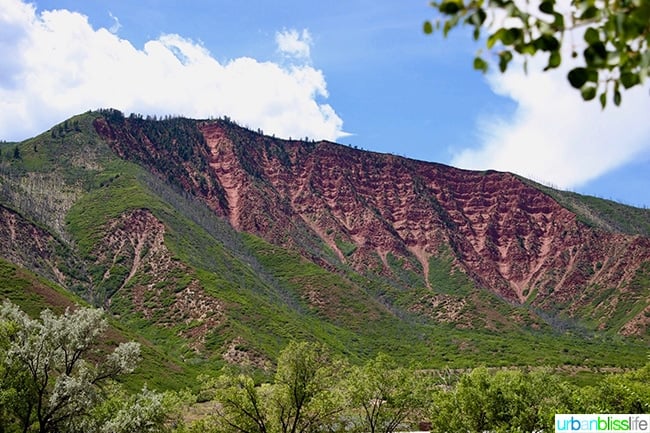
[56,65]
[553,135]
[294,44]
[116,23]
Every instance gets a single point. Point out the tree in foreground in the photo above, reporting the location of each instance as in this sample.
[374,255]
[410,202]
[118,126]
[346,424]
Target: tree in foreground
[608,40]
[618,393]
[304,396]
[49,383]
[243,406]
[307,396]
[386,393]
[516,401]
[505,401]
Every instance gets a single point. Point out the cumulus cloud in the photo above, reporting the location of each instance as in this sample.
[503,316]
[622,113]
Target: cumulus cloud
[554,136]
[55,64]
[294,44]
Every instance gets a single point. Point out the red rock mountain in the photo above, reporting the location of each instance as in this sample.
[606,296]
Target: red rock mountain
[398,218]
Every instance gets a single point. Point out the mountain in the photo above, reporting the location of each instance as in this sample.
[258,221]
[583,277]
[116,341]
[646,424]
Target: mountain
[219,244]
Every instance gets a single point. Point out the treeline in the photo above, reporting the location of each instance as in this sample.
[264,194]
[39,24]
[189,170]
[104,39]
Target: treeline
[55,377]
[114,115]
[312,392]
[64,128]
[172,147]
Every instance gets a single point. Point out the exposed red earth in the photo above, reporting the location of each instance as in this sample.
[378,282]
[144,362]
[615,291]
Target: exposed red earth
[369,209]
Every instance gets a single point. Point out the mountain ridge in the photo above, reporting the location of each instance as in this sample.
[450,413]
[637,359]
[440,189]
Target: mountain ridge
[501,230]
[214,240]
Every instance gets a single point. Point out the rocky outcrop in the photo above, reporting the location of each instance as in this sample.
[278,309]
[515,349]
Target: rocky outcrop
[137,268]
[388,215]
[30,246]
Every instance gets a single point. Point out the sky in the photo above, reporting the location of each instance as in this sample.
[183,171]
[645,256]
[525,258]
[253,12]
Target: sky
[357,72]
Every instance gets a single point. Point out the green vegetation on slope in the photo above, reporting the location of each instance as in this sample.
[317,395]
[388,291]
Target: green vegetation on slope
[33,294]
[271,295]
[311,388]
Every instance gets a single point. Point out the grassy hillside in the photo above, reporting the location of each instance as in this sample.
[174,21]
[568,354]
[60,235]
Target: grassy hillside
[33,294]
[68,182]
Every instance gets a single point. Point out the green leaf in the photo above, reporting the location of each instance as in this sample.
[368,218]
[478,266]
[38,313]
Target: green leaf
[614,58]
[595,54]
[547,6]
[450,7]
[504,58]
[591,36]
[450,24]
[592,75]
[477,18]
[494,37]
[588,92]
[617,98]
[603,100]
[554,60]
[511,35]
[428,27]
[590,13]
[558,22]
[629,79]
[547,42]
[578,77]
[447,27]
[527,49]
[480,64]
[610,28]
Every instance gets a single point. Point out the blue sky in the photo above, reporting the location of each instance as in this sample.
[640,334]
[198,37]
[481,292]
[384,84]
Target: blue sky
[357,72]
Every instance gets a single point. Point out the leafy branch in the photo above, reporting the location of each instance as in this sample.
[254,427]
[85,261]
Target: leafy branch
[615,38]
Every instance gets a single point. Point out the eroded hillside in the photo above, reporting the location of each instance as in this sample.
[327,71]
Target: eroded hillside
[214,242]
[390,216]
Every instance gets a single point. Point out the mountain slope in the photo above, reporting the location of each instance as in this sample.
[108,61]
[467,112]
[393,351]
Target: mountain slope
[216,243]
[367,211]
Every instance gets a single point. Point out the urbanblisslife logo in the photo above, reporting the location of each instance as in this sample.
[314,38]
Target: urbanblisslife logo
[602,423]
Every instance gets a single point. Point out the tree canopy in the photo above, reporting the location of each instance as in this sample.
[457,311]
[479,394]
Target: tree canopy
[608,41]
[54,376]
[387,393]
[302,398]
